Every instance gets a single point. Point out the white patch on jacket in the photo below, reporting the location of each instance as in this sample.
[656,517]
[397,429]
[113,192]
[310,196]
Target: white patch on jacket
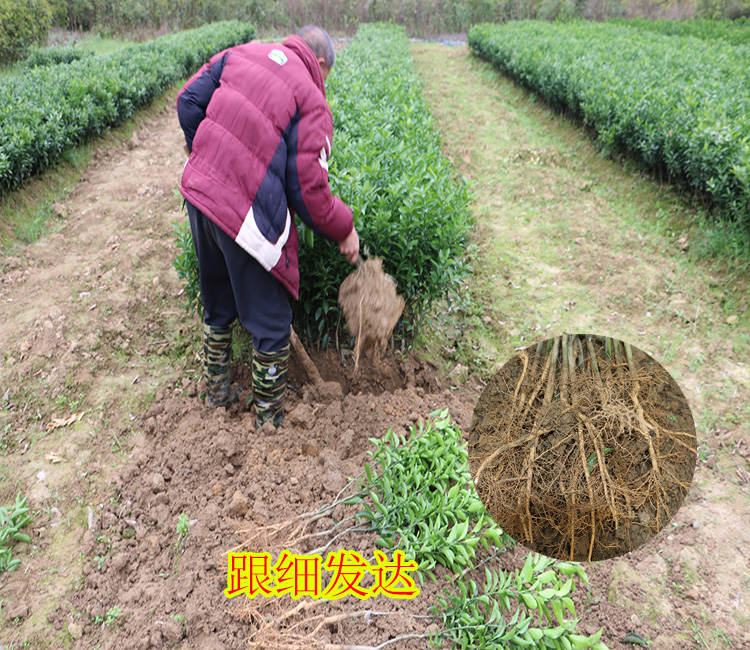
[324,155]
[252,240]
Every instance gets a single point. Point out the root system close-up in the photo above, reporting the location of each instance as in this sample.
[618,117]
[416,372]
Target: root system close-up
[582,448]
[371,305]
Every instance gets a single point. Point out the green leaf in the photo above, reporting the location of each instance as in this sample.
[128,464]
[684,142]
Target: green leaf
[557,609]
[565,590]
[528,567]
[529,600]
[535,633]
[554,633]
[579,642]
[547,576]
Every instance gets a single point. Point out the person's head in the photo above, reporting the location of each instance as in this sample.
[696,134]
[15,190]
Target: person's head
[321,45]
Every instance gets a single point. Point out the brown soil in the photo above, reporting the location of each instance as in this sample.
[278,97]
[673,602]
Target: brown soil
[371,306]
[226,477]
[578,465]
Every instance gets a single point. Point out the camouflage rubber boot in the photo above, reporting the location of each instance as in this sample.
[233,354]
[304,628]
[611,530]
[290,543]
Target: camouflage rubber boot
[269,385]
[217,357]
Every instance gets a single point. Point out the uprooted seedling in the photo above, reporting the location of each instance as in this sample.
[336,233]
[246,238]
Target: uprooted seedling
[582,448]
[417,495]
[371,306]
[529,607]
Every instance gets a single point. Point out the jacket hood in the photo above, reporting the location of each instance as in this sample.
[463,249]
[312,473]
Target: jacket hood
[302,49]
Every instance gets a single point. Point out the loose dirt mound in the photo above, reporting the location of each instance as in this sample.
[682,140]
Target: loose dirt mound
[587,460]
[371,305]
[214,468]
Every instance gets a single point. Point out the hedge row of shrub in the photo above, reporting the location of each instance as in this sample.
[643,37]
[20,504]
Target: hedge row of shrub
[386,164]
[43,56]
[51,108]
[734,32]
[677,104]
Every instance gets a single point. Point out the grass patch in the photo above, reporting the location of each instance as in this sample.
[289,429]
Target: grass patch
[566,236]
[99,44]
[25,214]
[12,519]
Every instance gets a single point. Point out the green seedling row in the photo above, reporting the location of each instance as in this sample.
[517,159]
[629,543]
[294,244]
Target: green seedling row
[734,32]
[54,107]
[44,56]
[387,165]
[677,104]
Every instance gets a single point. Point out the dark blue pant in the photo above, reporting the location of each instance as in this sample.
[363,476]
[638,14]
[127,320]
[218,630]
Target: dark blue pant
[233,284]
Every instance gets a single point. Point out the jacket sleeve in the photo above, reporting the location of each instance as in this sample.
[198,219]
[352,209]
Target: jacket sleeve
[194,98]
[307,189]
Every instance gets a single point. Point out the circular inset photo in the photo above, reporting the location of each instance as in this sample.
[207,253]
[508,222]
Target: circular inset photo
[582,447]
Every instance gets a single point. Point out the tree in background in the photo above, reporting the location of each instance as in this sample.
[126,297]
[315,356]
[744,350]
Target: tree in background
[732,9]
[23,24]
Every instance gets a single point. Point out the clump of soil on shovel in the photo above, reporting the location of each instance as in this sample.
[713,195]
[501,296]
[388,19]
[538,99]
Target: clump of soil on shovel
[582,448]
[371,305]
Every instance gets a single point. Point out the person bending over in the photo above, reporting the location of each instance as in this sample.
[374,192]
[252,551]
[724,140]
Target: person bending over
[258,131]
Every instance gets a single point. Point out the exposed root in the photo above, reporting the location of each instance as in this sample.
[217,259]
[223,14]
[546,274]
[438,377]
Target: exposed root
[302,635]
[576,448]
[496,454]
[371,305]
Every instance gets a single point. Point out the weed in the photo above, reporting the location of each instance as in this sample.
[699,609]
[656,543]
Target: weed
[696,362]
[12,519]
[112,616]
[183,526]
[704,451]
[180,618]
[589,601]
[116,444]
[66,403]
[718,641]
[101,559]
[110,619]
[5,440]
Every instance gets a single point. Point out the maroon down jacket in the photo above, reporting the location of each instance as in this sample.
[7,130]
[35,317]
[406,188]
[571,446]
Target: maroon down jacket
[260,130]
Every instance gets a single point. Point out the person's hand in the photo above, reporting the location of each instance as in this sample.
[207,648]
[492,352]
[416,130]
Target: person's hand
[350,246]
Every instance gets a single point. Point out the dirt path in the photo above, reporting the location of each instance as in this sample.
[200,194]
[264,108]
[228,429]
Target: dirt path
[570,242]
[92,331]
